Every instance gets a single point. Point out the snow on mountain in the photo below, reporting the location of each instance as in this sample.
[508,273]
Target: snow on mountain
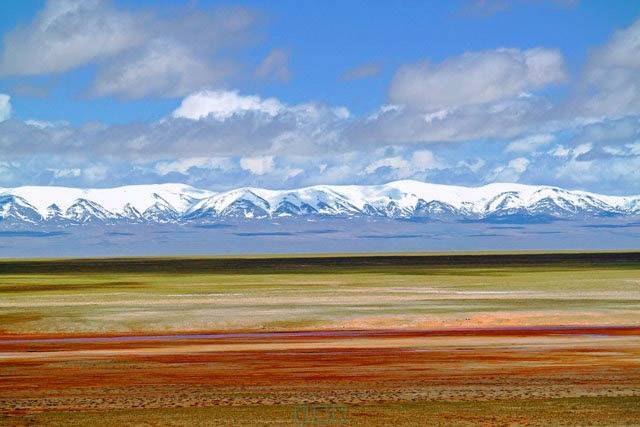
[130,202]
[166,203]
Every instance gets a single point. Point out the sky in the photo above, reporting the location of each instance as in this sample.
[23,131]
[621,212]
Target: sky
[287,94]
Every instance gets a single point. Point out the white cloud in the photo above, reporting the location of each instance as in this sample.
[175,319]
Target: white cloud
[384,109]
[389,162]
[609,131]
[486,101]
[529,143]
[337,173]
[582,149]
[257,165]
[504,119]
[614,151]
[618,175]
[222,105]
[291,173]
[66,173]
[423,160]
[96,172]
[275,66]
[519,165]
[634,148]
[164,68]
[419,162]
[5,107]
[183,165]
[560,151]
[44,124]
[511,172]
[474,166]
[140,52]
[206,124]
[577,171]
[67,34]
[180,55]
[7,171]
[611,85]
[476,78]
[439,115]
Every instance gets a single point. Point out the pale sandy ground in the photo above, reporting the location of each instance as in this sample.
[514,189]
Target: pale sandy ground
[327,303]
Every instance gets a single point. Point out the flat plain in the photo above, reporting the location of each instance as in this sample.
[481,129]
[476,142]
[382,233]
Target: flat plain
[439,339]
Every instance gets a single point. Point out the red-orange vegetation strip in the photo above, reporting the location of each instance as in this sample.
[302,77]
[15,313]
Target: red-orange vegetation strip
[51,341]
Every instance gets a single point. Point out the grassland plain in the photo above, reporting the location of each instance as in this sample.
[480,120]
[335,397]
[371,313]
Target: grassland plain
[525,338]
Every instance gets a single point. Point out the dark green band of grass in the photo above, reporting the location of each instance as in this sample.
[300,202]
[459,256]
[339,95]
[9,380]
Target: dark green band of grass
[320,264]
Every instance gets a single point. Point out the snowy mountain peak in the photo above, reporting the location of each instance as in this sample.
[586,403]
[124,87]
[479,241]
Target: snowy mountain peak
[167,203]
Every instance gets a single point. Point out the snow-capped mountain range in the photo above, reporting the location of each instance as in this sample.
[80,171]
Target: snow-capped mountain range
[176,203]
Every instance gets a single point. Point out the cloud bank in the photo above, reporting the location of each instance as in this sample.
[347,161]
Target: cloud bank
[478,117]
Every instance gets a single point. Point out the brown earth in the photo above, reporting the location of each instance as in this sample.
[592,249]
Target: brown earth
[43,378]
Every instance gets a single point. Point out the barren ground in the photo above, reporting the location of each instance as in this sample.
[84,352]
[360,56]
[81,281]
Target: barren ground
[554,344]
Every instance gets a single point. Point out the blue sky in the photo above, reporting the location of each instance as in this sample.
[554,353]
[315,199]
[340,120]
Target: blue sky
[291,93]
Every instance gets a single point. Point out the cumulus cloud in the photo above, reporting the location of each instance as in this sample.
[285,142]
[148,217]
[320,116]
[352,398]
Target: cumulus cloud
[582,149]
[179,55]
[44,124]
[7,172]
[599,138]
[95,173]
[291,173]
[611,83]
[423,160]
[530,143]
[138,53]
[504,119]
[222,105]
[577,171]
[474,166]
[476,78]
[5,107]
[634,148]
[584,166]
[275,66]
[164,69]
[588,166]
[207,124]
[389,162]
[67,34]
[258,165]
[560,151]
[401,167]
[609,131]
[475,96]
[66,173]
[510,172]
[184,165]
[217,137]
